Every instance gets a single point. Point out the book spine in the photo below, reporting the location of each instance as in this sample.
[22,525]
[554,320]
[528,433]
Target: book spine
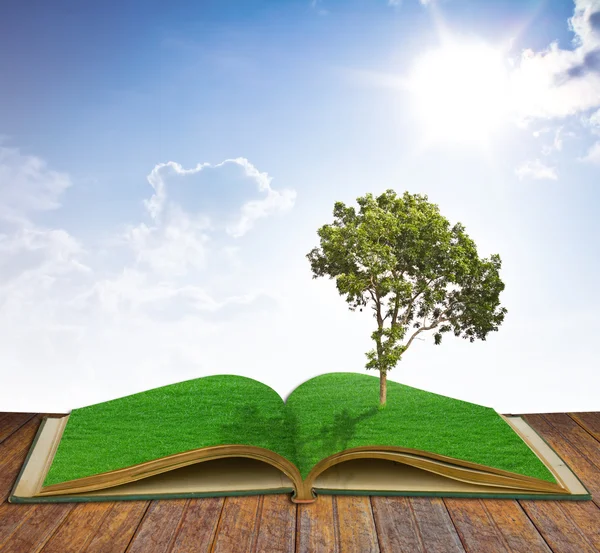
[304,493]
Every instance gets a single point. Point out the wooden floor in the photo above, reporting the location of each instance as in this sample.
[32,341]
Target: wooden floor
[271,523]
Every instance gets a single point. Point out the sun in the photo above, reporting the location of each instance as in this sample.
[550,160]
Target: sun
[460,92]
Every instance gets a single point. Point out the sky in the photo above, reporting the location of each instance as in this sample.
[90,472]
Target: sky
[165,167]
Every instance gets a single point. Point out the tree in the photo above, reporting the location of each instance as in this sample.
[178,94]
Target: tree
[402,248]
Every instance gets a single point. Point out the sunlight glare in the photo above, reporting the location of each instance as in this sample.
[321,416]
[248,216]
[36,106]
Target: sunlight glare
[460,92]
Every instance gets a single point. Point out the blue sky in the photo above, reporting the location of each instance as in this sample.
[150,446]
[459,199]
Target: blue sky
[164,169]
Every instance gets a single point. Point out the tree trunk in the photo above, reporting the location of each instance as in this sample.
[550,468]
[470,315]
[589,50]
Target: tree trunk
[382,387]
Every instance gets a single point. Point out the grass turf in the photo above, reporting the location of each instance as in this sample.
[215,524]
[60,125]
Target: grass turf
[338,411]
[323,416]
[214,410]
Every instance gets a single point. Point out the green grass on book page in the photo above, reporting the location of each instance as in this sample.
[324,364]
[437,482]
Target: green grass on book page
[214,410]
[338,411]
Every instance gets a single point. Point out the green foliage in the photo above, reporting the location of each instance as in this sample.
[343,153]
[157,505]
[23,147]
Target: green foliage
[401,249]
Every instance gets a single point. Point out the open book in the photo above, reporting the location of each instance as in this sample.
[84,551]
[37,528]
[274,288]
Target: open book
[231,435]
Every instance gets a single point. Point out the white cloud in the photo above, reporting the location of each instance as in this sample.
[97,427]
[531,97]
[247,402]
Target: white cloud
[172,248]
[592,122]
[314,5]
[30,251]
[257,209]
[397,3]
[145,305]
[585,23]
[27,185]
[555,83]
[541,131]
[593,155]
[231,254]
[178,240]
[536,170]
[557,143]
[250,211]
[138,295]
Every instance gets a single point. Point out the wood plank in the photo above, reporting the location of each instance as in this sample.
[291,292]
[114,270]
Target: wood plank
[317,527]
[12,455]
[518,531]
[572,432]
[557,528]
[16,517]
[277,525]
[416,524]
[78,528]
[357,530]
[11,422]
[117,529]
[396,525]
[474,525]
[13,451]
[159,527]
[589,421]
[586,515]
[10,518]
[585,471]
[36,527]
[236,528]
[199,525]
[435,525]
[3,415]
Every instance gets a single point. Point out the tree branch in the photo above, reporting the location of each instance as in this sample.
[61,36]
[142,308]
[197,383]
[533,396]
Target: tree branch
[412,301]
[422,329]
[372,295]
[378,303]
[396,301]
[448,309]
[434,323]
[395,313]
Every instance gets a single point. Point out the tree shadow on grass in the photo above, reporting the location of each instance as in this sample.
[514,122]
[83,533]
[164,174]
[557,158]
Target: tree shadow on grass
[337,435]
[278,431]
[249,424]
